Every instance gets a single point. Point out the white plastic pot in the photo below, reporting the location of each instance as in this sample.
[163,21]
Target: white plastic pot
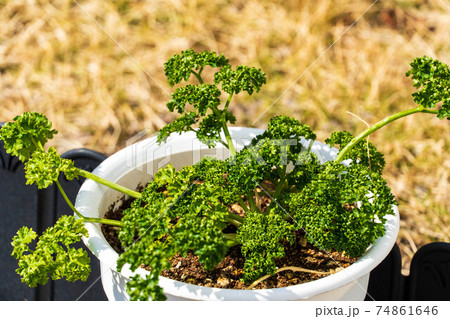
[136,164]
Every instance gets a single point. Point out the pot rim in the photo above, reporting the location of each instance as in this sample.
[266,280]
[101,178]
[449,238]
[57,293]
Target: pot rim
[113,169]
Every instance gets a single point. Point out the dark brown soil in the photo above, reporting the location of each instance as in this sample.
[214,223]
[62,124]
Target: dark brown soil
[229,271]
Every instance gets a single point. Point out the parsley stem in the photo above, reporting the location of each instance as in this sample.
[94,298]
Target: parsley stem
[226,132]
[229,236]
[377,126]
[87,219]
[243,205]
[257,200]
[37,144]
[230,240]
[232,221]
[64,195]
[281,182]
[94,177]
[229,140]
[223,143]
[198,76]
[310,145]
[103,221]
[227,104]
[236,217]
[67,200]
[105,182]
[251,202]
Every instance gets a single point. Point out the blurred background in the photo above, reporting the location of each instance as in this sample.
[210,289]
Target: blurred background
[95,68]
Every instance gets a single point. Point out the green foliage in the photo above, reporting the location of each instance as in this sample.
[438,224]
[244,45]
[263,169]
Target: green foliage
[204,98]
[432,77]
[145,288]
[261,237]
[359,154]
[53,256]
[180,67]
[26,134]
[155,254]
[216,172]
[244,173]
[284,127]
[306,168]
[43,168]
[182,124]
[243,78]
[281,143]
[342,208]
[209,128]
[177,213]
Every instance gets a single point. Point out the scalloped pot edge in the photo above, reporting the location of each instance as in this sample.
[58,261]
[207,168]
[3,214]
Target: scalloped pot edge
[136,164]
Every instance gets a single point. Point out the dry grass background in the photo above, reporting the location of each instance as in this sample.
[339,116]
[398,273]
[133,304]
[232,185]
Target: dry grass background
[55,59]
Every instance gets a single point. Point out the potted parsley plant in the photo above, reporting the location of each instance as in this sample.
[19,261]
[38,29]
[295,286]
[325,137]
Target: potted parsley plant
[261,193]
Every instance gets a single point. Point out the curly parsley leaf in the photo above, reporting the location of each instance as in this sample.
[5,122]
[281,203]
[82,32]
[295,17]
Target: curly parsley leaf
[176,213]
[359,154]
[43,168]
[26,134]
[216,172]
[245,173]
[306,169]
[202,97]
[53,255]
[210,127]
[244,78]
[261,237]
[282,142]
[343,208]
[432,78]
[200,227]
[145,288]
[182,124]
[180,67]
[20,242]
[270,153]
[285,127]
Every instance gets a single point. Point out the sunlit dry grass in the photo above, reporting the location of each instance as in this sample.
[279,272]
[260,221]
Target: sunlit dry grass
[54,58]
